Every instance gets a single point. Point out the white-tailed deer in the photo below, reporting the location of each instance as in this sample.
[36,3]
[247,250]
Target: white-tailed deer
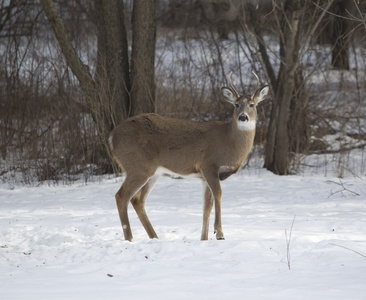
[147,146]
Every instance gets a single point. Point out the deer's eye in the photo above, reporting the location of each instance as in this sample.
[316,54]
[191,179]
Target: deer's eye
[251,105]
[236,105]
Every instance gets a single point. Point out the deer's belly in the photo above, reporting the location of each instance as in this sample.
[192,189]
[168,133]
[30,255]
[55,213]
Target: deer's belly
[226,171]
[164,171]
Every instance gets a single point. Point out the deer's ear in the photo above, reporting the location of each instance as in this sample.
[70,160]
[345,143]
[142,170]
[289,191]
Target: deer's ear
[261,94]
[229,95]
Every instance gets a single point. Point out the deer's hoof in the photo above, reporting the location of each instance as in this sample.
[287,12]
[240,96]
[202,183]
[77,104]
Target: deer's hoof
[219,238]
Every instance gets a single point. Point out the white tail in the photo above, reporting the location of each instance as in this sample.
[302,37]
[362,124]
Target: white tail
[149,145]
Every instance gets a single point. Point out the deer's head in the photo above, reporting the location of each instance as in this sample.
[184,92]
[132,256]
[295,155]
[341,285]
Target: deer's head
[245,106]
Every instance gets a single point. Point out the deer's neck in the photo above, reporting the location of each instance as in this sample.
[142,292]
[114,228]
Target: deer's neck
[243,138]
[246,126]
[237,147]
[246,131]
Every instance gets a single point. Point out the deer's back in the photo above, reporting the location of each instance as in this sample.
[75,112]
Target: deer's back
[172,143]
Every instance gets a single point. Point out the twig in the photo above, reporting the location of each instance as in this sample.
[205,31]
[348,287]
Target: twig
[342,190]
[288,241]
[310,33]
[349,250]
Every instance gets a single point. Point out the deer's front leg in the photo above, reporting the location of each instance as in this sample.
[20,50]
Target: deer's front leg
[213,183]
[207,207]
[217,226]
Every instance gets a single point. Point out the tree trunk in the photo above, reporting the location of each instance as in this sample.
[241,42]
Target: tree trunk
[80,70]
[340,34]
[278,157]
[114,95]
[142,60]
[288,130]
[112,73]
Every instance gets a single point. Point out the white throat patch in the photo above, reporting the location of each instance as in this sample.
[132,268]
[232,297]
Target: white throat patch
[248,125]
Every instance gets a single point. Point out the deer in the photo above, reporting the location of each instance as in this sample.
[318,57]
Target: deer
[147,146]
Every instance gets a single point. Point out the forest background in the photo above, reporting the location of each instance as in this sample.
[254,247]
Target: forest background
[72,70]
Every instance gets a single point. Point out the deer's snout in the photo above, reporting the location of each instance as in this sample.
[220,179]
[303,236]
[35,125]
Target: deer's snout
[243,118]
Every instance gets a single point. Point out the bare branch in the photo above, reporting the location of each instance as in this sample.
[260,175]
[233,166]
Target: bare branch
[348,249]
[312,31]
[78,68]
[343,189]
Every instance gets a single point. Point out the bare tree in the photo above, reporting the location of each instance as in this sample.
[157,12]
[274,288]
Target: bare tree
[112,73]
[278,139]
[114,95]
[336,30]
[143,56]
[340,36]
[288,126]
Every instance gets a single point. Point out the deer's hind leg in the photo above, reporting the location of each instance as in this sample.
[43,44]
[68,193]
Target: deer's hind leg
[138,202]
[130,187]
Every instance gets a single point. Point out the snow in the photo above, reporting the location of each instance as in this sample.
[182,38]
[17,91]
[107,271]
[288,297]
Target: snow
[66,242]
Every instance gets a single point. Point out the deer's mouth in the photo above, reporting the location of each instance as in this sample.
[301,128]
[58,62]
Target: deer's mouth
[243,118]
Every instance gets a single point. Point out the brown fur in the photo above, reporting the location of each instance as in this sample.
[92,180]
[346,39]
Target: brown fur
[211,151]
[181,146]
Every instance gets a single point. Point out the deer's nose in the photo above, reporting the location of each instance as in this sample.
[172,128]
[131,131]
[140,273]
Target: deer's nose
[243,118]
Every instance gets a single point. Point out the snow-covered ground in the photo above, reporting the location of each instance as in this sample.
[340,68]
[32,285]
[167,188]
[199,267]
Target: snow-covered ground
[293,237]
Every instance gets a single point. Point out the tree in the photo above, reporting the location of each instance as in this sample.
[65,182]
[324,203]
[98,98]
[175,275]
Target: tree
[336,31]
[116,91]
[278,139]
[112,72]
[340,36]
[288,125]
[143,56]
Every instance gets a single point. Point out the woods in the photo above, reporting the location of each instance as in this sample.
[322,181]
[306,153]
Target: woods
[72,71]
[115,96]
